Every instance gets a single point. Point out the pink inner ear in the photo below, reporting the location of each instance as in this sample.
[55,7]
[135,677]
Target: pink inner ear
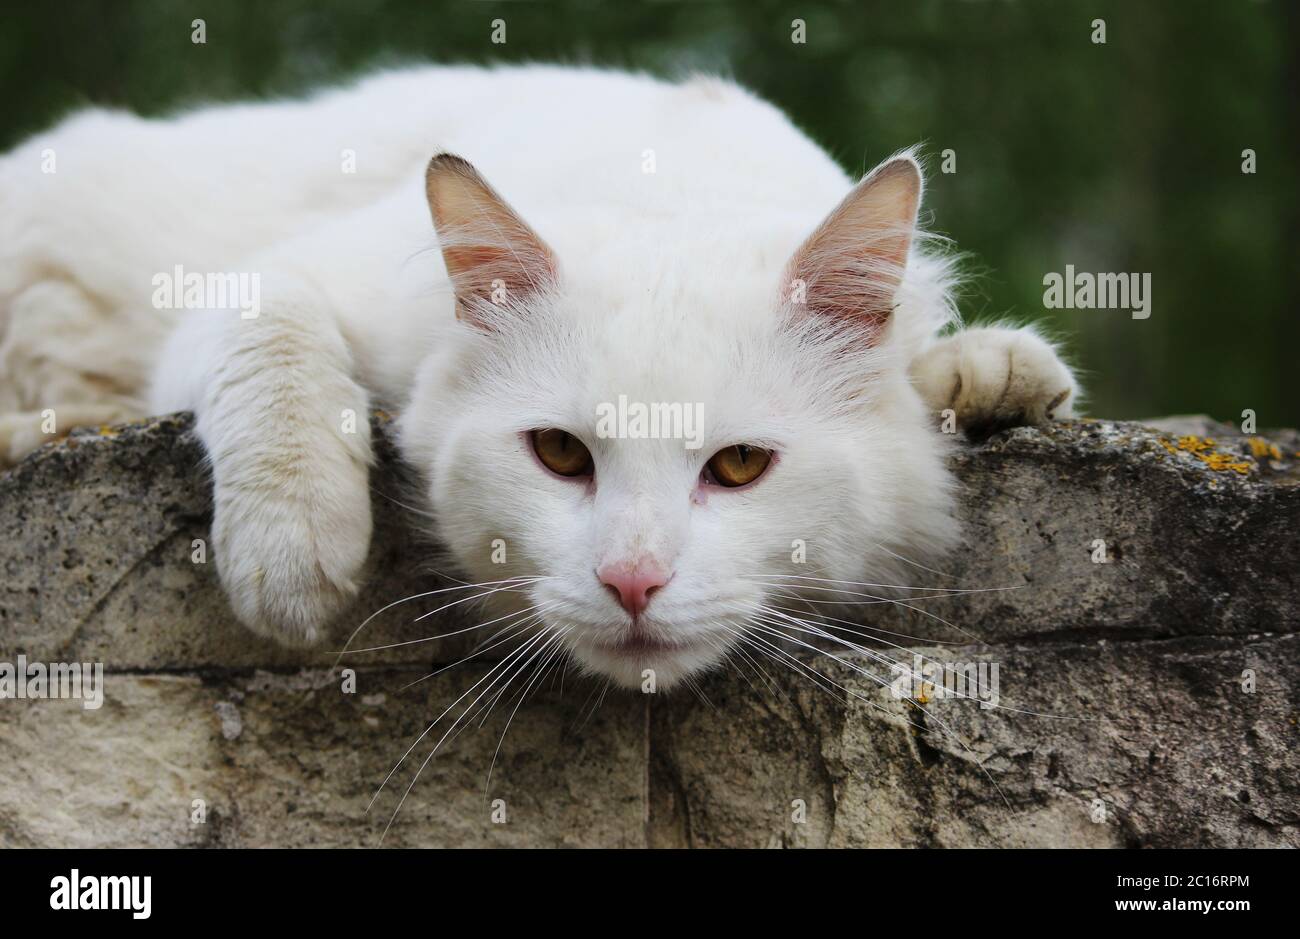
[491,255]
[478,270]
[850,268]
[851,287]
[850,282]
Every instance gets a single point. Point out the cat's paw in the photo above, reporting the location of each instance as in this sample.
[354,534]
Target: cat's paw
[995,377]
[290,542]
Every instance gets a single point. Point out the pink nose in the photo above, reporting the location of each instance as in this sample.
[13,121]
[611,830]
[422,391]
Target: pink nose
[633,585]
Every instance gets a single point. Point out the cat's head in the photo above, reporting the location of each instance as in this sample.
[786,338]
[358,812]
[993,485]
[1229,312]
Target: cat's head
[662,437]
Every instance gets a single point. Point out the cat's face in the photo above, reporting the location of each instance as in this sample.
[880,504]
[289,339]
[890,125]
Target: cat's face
[658,457]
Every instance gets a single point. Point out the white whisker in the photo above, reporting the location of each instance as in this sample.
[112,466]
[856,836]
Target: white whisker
[415,596]
[504,663]
[557,650]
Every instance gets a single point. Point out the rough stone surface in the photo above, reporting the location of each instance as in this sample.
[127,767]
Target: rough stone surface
[1125,714]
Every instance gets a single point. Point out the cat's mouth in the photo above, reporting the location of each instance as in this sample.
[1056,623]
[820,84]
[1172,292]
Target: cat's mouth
[639,644]
[631,657]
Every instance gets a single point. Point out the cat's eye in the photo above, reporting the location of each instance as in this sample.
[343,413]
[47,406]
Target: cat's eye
[561,452]
[737,465]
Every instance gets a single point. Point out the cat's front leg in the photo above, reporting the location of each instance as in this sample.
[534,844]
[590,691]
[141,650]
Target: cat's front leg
[287,431]
[993,377]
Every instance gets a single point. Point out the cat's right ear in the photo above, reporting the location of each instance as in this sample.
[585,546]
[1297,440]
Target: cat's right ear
[495,261]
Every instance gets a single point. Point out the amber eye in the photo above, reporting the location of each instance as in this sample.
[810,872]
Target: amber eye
[561,452]
[738,465]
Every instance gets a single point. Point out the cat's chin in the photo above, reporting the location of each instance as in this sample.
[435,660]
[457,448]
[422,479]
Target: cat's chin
[647,667]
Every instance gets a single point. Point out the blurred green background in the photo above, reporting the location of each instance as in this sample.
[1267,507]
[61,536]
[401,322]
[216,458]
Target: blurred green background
[1117,157]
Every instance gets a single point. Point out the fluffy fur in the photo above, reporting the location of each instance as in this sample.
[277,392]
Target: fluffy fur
[666,286]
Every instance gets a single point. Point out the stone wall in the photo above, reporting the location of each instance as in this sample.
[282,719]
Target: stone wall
[1128,714]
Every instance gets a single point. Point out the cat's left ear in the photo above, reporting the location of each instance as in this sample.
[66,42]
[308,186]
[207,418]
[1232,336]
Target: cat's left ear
[851,266]
[493,258]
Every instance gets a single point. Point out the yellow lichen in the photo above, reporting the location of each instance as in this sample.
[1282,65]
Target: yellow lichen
[1194,444]
[1260,448]
[1222,462]
[1203,449]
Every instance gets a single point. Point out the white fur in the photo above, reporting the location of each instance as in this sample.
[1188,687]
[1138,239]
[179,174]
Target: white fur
[670,290]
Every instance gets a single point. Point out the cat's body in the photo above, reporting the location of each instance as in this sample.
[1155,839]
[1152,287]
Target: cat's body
[661,260]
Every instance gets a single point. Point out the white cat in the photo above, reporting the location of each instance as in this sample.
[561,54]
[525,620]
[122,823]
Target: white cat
[671,243]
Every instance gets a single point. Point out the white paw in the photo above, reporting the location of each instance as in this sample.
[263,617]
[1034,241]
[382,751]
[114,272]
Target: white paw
[993,377]
[291,537]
